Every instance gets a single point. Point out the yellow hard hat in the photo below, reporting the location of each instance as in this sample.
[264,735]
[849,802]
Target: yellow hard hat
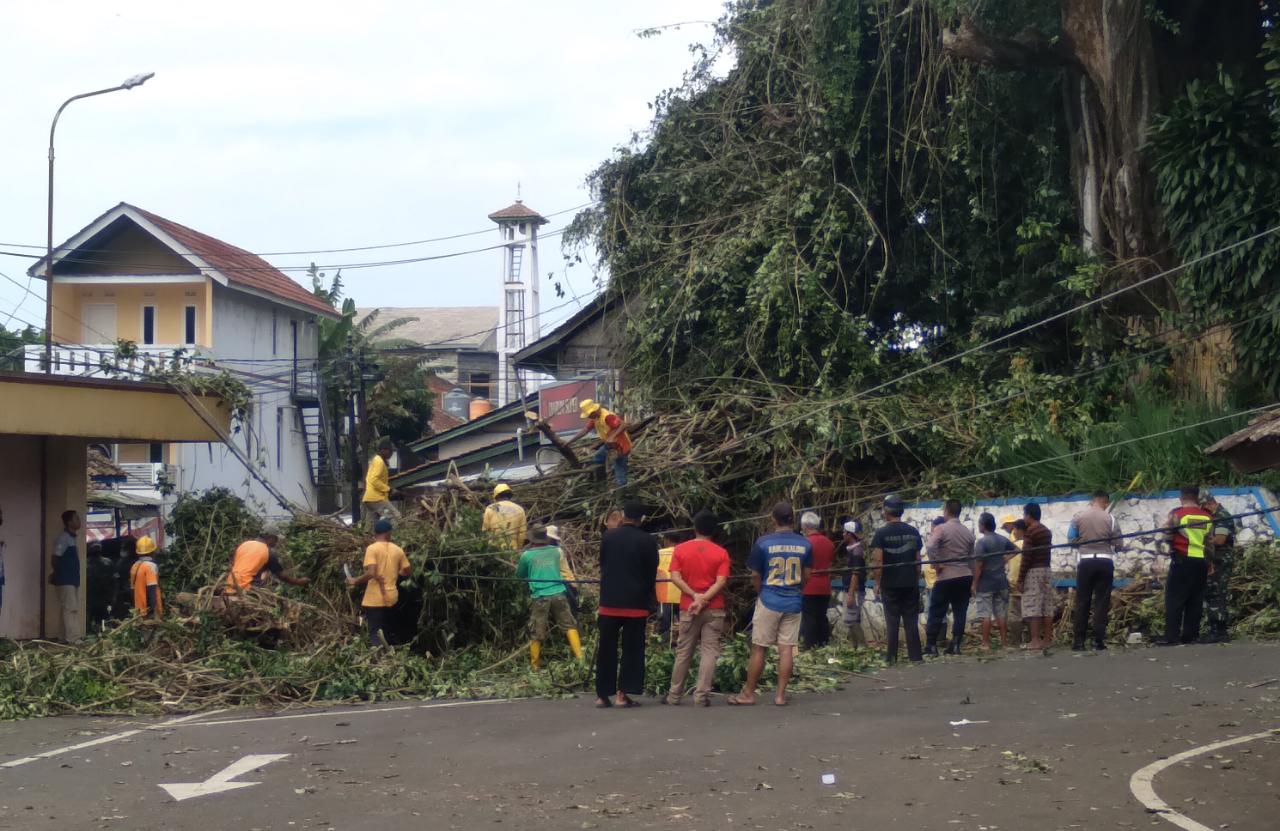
[1007,519]
[500,489]
[146,545]
[588,407]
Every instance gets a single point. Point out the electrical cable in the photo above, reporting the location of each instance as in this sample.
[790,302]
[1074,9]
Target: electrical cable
[833,570]
[477,233]
[1022,330]
[231,271]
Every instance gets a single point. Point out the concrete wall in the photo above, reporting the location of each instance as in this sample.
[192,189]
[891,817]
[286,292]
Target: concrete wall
[1136,513]
[170,300]
[243,332]
[27,566]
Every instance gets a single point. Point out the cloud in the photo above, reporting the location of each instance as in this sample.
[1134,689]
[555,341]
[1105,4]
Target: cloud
[288,125]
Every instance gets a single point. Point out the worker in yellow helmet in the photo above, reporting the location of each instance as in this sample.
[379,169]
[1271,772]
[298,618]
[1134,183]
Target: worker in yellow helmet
[611,430]
[144,578]
[504,521]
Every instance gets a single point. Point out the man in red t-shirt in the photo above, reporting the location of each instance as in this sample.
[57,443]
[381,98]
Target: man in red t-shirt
[699,569]
[815,629]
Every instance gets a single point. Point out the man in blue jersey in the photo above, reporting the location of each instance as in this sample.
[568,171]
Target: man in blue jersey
[780,564]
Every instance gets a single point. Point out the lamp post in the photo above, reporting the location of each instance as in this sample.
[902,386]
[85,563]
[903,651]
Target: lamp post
[129,83]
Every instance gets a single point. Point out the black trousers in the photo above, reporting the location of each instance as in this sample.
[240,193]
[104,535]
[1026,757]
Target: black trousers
[630,676]
[902,609]
[375,617]
[1184,599]
[950,594]
[1094,576]
[815,629]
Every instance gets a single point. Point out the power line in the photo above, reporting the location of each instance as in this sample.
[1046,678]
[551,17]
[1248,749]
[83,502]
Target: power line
[407,243]
[163,268]
[1022,330]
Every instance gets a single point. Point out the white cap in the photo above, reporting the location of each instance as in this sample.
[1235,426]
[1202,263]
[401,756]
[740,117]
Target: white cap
[853,527]
[553,532]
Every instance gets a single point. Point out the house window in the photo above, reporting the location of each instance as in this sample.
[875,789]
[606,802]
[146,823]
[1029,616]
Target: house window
[515,319]
[148,324]
[156,454]
[478,385]
[189,325]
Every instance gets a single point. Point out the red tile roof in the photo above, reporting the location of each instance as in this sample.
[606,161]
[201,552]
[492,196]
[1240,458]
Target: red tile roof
[442,421]
[518,210]
[239,266]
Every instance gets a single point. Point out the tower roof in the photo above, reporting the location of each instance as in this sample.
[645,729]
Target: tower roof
[518,210]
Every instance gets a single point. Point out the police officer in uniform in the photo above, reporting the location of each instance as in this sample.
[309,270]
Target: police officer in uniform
[1220,550]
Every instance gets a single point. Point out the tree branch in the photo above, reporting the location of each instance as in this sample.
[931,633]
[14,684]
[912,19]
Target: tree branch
[1030,49]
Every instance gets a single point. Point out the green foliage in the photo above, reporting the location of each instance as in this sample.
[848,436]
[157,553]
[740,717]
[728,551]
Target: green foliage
[1217,163]
[1046,464]
[205,528]
[841,194]
[12,343]
[398,399]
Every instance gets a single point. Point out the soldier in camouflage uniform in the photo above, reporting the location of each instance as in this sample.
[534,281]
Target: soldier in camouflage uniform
[1220,548]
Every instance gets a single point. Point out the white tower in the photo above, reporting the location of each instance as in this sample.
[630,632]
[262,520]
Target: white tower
[518,313]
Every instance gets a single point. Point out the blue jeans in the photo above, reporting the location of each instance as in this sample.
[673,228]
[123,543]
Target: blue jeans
[619,463]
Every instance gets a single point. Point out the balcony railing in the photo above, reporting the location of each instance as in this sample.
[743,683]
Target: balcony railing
[102,360]
[146,475]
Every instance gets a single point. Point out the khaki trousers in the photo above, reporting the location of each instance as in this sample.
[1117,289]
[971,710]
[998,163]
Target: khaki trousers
[706,629]
[69,600]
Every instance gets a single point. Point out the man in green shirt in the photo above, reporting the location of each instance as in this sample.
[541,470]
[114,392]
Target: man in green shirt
[540,566]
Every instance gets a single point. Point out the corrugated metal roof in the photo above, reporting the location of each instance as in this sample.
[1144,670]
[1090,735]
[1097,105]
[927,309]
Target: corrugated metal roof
[1265,427]
[445,327]
[237,265]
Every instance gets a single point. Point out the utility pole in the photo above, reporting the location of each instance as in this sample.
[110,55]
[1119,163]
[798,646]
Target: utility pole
[353,462]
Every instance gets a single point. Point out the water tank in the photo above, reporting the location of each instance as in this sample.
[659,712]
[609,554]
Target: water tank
[480,407]
[455,403]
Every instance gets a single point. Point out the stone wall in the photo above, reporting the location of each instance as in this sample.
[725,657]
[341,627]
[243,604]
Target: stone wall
[1135,513]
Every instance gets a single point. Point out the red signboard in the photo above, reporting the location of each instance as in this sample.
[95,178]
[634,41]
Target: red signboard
[558,404]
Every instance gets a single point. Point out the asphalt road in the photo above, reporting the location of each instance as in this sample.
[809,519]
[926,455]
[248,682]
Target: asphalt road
[1053,744]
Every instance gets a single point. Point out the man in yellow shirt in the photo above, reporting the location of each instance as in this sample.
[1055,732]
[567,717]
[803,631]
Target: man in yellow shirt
[377,486]
[668,592]
[384,564]
[504,520]
[611,430]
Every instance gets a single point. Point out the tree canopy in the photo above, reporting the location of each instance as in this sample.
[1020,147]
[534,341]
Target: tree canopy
[877,185]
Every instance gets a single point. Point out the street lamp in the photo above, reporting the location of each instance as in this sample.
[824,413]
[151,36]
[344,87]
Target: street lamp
[129,83]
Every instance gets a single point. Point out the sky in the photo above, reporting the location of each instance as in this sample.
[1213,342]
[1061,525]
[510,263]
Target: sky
[287,126]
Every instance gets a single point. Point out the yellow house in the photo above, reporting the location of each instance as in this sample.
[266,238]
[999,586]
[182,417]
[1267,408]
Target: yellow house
[134,276]
[46,425]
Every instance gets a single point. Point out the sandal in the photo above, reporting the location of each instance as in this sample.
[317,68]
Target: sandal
[603,703]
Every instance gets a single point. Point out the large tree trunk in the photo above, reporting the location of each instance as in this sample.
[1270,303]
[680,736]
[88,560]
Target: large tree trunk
[1121,67]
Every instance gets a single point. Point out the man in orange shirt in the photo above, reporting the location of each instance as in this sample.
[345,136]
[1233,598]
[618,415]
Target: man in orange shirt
[384,564]
[144,577]
[254,556]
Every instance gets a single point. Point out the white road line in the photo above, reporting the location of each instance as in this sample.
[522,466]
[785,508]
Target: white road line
[114,737]
[1140,782]
[346,713]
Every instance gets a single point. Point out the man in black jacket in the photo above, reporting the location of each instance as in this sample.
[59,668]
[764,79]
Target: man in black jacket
[628,575]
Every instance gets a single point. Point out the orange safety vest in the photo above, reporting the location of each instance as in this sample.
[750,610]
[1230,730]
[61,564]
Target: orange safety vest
[144,573]
[249,561]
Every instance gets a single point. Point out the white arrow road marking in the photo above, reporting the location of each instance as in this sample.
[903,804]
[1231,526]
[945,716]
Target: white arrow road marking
[221,781]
